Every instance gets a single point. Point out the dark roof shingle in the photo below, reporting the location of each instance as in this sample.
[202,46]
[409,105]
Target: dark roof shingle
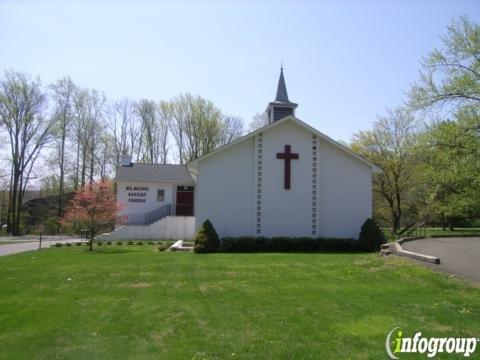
[154,173]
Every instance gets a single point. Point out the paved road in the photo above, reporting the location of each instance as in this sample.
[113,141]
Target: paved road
[19,247]
[459,256]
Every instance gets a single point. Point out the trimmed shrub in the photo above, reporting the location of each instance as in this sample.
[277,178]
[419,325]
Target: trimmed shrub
[286,244]
[238,244]
[139,243]
[68,244]
[151,243]
[335,244]
[58,244]
[109,243]
[206,239]
[371,236]
[119,243]
[227,244]
[99,243]
[303,244]
[243,244]
[78,243]
[130,243]
[262,243]
[279,244]
[162,247]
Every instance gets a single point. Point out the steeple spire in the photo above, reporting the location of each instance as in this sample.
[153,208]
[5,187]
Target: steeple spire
[282,94]
[281,106]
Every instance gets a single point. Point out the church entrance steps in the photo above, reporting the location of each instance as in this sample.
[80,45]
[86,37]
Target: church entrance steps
[169,227]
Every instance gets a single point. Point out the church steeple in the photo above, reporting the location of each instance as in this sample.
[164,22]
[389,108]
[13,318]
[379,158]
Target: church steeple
[281,106]
[282,94]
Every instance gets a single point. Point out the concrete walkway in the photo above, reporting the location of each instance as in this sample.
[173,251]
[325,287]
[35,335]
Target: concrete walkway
[459,256]
[29,244]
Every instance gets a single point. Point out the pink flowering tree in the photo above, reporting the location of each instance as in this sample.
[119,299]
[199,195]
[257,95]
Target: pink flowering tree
[94,207]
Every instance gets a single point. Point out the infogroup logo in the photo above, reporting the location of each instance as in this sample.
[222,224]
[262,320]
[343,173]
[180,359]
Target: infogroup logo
[431,346]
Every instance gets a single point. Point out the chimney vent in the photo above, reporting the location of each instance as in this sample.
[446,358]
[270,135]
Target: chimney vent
[126,160]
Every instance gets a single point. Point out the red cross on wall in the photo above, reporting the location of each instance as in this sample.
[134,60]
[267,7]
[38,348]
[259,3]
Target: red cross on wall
[287,156]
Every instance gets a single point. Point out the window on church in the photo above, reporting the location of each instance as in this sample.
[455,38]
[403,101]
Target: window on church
[160,195]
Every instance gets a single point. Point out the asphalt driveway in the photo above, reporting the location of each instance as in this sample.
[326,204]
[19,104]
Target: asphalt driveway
[459,256]
[22,244]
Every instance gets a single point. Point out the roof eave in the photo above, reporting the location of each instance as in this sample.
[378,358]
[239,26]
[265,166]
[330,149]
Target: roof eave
[374,168]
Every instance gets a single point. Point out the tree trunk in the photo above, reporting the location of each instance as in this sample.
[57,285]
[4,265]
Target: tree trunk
[92,235]
[395,225]
[84,165]
[77,166]
[9,206]
[62,174]
[14,204]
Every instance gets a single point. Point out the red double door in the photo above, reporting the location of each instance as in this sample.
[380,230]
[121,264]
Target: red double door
[185,201]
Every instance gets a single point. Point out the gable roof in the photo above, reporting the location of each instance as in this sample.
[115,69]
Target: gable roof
[302,124]
[154,173]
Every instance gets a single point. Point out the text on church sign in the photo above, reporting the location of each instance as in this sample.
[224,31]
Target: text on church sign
[137,193]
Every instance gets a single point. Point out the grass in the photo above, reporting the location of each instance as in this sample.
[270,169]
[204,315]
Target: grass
[436,232]
[454,232]
[134,302]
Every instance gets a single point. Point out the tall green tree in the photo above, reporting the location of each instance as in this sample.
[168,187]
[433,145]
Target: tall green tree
[22,114]
[389,145]
[449,89]
[451,75]
[199,127]
[450,151]
[63,92]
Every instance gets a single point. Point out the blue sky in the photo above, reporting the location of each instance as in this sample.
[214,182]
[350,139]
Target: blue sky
[344,61]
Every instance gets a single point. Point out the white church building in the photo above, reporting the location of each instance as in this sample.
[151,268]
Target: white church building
[284,179]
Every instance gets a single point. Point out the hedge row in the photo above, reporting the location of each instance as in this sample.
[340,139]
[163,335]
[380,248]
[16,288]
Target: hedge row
[370,238]
[287,244]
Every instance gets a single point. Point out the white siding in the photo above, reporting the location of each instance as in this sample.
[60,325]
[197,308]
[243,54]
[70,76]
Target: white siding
[225,190]
[168,228]
[286,212]
[227,187]
[345,199]
[151,203]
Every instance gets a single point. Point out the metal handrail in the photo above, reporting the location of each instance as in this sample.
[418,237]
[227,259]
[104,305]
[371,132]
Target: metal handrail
[157,214]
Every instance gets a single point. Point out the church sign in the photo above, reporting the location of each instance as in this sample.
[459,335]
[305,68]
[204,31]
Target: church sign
[137,194]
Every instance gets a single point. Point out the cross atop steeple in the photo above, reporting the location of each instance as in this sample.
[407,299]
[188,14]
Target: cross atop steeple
[281,106]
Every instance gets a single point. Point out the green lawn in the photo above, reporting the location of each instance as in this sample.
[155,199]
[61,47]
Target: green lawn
[437,231]
[133,302]
[454,232]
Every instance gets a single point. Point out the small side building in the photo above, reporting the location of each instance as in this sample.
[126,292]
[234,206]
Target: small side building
[158,201]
